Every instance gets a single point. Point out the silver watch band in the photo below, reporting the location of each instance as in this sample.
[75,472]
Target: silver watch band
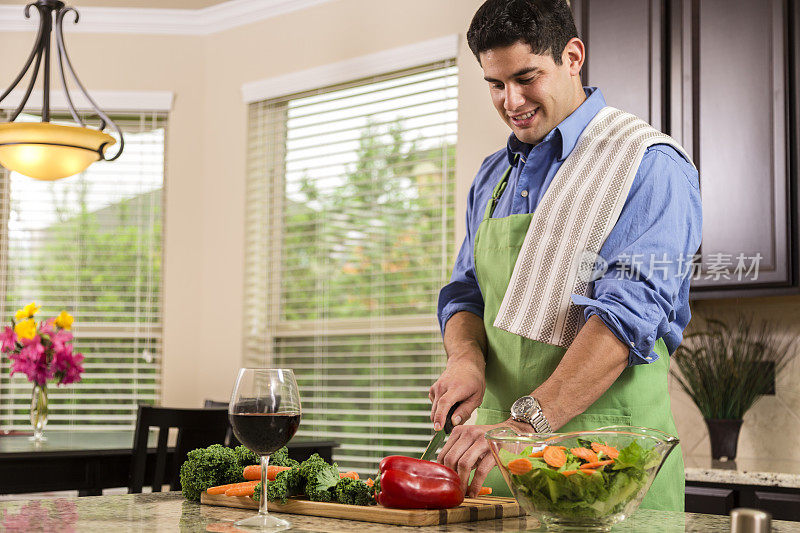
[531,414]
[538,420]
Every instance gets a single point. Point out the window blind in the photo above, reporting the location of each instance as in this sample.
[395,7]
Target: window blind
[349,239]
[91,244]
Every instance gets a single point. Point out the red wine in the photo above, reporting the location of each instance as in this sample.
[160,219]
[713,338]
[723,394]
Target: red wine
[264,433]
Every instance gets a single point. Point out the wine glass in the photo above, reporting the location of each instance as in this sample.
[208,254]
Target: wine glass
[264,412]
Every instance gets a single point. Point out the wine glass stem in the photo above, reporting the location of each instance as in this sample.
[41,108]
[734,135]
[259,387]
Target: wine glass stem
[262,504]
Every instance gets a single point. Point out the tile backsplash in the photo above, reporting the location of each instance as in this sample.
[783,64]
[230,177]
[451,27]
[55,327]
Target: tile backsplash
[772,426]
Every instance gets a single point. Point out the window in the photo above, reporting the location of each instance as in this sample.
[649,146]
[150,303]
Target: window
[91,244]
[349,239]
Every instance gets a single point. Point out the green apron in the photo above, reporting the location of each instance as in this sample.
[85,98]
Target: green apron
[515,365]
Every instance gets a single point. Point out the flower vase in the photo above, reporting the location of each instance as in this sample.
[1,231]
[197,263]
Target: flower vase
[39,410]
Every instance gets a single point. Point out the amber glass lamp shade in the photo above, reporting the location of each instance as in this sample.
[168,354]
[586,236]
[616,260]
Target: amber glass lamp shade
[46,151]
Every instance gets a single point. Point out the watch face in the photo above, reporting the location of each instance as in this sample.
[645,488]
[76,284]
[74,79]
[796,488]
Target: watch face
[522,406]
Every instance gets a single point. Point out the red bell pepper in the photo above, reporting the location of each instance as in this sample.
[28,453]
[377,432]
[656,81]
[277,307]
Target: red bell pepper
[408,483]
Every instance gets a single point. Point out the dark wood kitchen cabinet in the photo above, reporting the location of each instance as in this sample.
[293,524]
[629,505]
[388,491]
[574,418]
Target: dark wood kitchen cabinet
[720,76]
[721,498]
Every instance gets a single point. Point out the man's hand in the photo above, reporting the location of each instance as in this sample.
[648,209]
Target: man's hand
[464,378]
[467,449]
[462,381]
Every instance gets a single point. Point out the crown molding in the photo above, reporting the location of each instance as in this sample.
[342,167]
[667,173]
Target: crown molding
[109,101]
[365,66]
[154,21]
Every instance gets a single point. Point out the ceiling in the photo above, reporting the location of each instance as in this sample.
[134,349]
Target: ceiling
[163,4]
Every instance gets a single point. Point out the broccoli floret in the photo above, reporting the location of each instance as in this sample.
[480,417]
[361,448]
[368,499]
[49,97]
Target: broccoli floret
[277,490]
[320,477]
[314,477]
[376,487]
[281,458]
[353,492]
[295,482]
[246,457]
[208,467]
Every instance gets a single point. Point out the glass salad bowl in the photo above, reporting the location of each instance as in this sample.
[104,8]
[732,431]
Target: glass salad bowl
[580,480]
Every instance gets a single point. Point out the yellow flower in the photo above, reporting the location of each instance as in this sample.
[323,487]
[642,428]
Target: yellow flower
[25,329]
[27,311]
[64,320]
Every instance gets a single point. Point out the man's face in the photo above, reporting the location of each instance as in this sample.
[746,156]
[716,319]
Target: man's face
[531,93]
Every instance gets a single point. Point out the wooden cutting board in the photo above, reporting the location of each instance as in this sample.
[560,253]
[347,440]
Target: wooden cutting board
[473,509]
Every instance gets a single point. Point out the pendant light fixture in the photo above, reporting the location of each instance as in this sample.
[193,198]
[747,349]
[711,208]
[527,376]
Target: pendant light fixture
[43,150]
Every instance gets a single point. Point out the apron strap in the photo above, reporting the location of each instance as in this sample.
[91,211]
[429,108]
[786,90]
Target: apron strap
[498,190]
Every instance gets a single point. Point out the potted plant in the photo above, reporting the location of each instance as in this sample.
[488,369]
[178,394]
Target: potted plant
[725,370]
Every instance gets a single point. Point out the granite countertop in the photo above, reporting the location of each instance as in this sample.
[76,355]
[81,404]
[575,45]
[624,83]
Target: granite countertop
[170,512]
[743,471]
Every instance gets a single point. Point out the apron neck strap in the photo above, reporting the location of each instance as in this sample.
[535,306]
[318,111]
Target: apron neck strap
[498,190]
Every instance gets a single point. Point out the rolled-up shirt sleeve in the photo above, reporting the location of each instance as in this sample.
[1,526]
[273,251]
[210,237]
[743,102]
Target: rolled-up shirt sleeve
[643,294]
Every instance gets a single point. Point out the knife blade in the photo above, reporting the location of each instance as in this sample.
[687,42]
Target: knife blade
[438,437]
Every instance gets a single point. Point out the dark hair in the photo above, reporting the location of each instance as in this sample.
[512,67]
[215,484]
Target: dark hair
[545,25]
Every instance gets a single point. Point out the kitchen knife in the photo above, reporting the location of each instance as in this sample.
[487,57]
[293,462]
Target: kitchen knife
[438,438]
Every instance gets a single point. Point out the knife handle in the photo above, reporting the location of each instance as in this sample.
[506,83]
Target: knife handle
[448,423]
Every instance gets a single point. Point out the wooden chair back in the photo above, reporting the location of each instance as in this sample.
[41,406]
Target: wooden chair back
[197,428]
[230,438]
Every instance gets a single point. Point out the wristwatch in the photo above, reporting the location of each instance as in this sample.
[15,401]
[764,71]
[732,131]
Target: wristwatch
[528,410]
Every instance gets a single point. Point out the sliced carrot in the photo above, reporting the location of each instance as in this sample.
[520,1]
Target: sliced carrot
[597,464]
[569,472]
[585,453]
[485,491]
[351,475]
[609,451]
[369,482]
[588,471]
[242,489]
[537,454]
[253,472]
[520,466]
[220,489]
[555,456]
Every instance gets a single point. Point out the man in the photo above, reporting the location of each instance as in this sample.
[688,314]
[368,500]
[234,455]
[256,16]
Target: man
[533,342]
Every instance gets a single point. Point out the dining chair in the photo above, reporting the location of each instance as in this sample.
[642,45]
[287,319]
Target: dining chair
[197,428]
[230,438]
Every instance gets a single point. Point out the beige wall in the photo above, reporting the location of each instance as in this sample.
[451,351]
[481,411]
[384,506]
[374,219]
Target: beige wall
[204,246]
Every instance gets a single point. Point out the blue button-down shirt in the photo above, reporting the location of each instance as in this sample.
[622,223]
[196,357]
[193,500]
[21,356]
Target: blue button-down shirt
[644,293]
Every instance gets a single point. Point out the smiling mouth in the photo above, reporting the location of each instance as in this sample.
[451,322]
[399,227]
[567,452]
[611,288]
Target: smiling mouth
[524,119]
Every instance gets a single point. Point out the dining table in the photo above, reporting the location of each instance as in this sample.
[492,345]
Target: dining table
[169,511]
[90,461]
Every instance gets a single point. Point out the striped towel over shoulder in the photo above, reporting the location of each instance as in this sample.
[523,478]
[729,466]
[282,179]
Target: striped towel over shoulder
[571,223]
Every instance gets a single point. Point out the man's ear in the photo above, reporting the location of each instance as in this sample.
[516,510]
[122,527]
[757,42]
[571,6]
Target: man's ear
[574,55]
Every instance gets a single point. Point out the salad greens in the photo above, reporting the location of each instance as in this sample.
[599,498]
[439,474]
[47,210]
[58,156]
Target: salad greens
[579,494]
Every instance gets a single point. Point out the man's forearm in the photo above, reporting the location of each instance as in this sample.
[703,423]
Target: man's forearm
[465,338]
[592,363]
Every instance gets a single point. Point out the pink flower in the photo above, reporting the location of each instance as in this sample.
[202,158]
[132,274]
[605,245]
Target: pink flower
[60,338]
[32,361]
[73,373]
[8,340]
[67,365]
[47,355]
[46,327]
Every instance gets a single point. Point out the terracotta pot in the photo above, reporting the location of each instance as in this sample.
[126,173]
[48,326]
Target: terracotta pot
[724,435]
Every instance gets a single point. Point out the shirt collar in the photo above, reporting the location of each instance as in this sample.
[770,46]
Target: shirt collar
[567,131]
